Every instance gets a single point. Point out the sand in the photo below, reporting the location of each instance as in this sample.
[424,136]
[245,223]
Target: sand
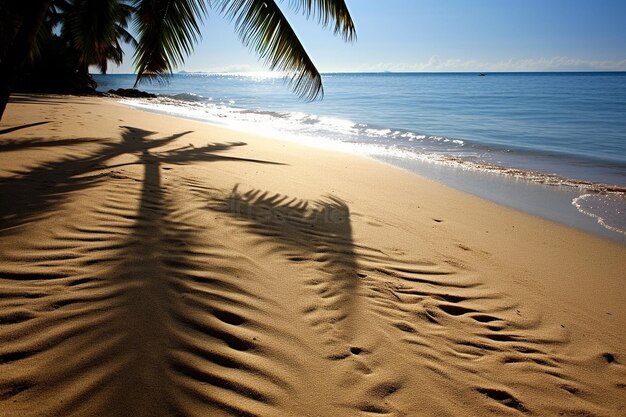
[155,266]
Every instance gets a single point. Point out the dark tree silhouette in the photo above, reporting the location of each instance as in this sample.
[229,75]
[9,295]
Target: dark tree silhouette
[167,31]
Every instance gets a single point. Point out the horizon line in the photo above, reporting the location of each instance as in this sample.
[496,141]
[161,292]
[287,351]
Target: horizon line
[384,72]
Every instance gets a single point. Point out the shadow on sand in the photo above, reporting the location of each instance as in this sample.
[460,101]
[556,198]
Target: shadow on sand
[30,195]
[16,128]
[138,336]
[317,230]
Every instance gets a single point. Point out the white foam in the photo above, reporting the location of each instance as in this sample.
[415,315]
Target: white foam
[609,209]
[347,136]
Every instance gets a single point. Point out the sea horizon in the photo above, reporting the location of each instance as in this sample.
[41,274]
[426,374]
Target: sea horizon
[279,75]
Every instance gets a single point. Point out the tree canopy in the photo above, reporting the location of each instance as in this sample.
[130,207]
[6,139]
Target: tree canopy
[69,36]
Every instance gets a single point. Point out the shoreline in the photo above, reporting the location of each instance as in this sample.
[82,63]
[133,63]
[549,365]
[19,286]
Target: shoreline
[515,188]
[163,265]
[551,202]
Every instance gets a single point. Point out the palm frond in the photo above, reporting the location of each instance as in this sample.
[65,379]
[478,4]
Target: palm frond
[328,12]
[168,30]
[57,11]
[116,53]
[125,13]
[91,25]
[43,37]
[263,27]
[125,36]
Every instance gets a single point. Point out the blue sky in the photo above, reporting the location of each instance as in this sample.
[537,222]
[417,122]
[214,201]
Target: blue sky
[441,35]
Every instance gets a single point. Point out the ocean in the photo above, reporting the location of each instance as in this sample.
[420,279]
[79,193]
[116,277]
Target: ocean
[557,139]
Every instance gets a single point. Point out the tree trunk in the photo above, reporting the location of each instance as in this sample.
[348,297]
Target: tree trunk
[5,90]
[33,12]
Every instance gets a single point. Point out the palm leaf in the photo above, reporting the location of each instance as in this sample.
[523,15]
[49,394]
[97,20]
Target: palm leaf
[93,28]
[263,27]
[329,12]
[124,13]
[168,30]
[44,33]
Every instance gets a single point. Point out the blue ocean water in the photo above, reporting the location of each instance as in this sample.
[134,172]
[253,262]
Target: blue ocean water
[565,129]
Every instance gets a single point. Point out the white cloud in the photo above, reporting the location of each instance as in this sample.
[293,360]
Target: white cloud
[557,63]
[437,64]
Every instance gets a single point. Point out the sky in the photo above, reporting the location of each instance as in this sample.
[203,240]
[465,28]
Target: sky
[439,35]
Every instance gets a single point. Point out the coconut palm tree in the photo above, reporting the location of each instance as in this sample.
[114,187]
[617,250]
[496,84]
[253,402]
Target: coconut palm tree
[21,21]
[167,31]
[73,35]
[95,28]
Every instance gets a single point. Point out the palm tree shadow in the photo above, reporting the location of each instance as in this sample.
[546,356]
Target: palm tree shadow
[146,302]
[35,194]
[30,195]
[154,262]
[320,230]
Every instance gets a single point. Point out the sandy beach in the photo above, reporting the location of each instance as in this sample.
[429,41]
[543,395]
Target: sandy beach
[156,266]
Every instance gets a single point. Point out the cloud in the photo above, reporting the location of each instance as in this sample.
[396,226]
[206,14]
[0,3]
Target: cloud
[437,64]
[557,63]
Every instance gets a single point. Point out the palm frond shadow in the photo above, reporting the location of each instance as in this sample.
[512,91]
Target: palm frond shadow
[33,143]
[26,126]
[33,99]
[29,195]
[319,230]
[189,154]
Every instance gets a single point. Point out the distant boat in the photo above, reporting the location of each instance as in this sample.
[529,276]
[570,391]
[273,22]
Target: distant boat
[481,74]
